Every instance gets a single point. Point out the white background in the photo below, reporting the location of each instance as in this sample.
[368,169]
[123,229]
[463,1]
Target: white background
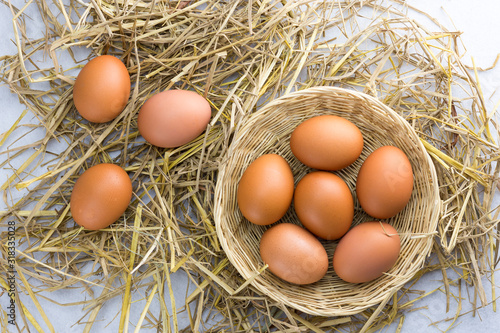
[480,23]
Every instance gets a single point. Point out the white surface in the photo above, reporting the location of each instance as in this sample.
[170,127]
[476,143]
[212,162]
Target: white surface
[481,26]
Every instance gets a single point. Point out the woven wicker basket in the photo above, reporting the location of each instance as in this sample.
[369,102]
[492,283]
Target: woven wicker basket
[268,131]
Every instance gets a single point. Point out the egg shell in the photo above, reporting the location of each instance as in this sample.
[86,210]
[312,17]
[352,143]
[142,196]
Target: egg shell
[265,190]
[100,196]
[366,252]
[102,89]
[385,182]
[293,254]
[173,118]
[324,204]
[326,142]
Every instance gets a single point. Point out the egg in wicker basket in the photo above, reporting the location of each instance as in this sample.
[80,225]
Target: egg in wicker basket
[268,131]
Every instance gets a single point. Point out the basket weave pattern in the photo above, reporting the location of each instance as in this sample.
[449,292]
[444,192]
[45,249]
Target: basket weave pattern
[268,131]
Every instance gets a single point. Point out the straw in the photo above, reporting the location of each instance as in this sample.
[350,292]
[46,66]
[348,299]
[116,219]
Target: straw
[240,55]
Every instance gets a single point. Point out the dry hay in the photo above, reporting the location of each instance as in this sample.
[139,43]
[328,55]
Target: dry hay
[239,55]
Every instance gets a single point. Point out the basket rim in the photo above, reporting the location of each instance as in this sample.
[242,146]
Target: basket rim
[432,223]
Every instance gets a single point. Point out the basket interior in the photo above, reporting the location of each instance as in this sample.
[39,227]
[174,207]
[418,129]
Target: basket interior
[268,131]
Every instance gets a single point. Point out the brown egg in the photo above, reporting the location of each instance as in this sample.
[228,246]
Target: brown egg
[324,204]
[366,252]
[173,118]
[326,142]
[265,190]
[100,196]
[102,89]
[293,254]
[385,182]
